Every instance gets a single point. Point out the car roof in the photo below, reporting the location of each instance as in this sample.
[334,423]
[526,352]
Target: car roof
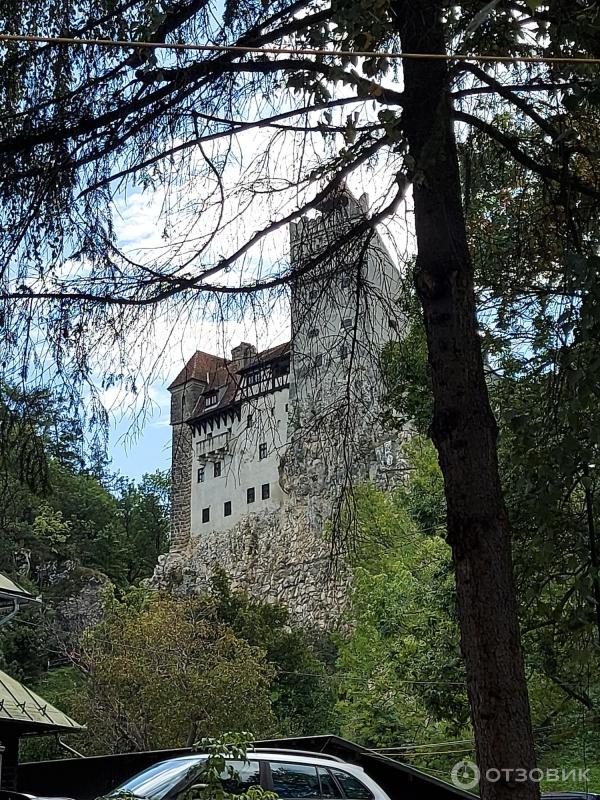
[289,756]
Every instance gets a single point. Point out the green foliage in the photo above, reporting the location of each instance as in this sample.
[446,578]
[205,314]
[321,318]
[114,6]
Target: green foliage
[303,689]
[162,672]
[61,525]
[144,511]
[406,375]
[219,750]
[401,675]
[546,402]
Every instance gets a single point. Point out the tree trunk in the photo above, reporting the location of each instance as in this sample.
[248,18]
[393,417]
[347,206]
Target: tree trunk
[463,428]
[589,509]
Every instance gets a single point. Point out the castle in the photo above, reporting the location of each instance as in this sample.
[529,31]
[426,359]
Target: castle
[266,444]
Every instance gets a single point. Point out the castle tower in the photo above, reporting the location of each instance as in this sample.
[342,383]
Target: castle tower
[266,443]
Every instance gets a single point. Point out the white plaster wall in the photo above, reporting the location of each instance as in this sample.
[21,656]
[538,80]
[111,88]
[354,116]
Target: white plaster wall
[320,379]
[241,466]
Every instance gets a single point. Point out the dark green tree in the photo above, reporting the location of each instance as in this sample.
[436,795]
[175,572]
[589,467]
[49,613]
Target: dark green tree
[105,120]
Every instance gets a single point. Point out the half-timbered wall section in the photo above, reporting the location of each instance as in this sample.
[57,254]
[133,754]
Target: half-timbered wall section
[239,434]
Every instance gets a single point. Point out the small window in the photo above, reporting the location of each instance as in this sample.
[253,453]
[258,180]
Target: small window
[313,333]
[314,294]
[254,377]
[343,351]
[217,469]
[262,450]
[295,780]
[286,407]
[347,323]
[346,280]
[227,508]
[329,788]
[205,514]
[319,360]
[249,421]
[211,399]
[353,789]
[250,495]
[265,491]
[200,475]
[239,776]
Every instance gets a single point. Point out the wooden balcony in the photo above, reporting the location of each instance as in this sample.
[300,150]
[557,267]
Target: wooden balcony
[213,447]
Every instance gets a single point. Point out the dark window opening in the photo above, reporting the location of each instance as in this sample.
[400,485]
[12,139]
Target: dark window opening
[200,475]
[353,789]
[319,360]
[227,508]
[217,469]
[262,450]
[250,495]
[239,776]
[265,491]
[347,323]
[205,514]
[329,788]
[211,399]
[343,351]
[346,280]
[254,377]
[295,781]
[313,333]
[249,421]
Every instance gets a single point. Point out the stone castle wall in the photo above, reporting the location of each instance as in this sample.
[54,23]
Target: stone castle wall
[286,555]
[335,438]
[181,486]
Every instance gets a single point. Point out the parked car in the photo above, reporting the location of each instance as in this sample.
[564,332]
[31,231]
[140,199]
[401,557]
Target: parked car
[9,794]
[570,796]
[293,774]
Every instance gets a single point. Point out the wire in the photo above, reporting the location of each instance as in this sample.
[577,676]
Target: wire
[216,48]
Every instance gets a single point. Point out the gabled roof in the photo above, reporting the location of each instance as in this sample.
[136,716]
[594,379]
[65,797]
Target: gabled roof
[9,590]
[200,367]
[28,712]
[272,354]
[227,379]
[13,598]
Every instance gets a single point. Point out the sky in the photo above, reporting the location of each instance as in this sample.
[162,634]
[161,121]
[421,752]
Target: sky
[134,453]
[139,437]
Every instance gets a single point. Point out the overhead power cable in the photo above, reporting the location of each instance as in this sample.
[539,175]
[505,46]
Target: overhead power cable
[244,49]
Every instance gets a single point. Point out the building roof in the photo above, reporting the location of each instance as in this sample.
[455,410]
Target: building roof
[200,367]
[12,598]
[10,589]
[266,356]
[227,376]
[28,712]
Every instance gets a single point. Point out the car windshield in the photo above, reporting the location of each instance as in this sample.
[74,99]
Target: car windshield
[157,781]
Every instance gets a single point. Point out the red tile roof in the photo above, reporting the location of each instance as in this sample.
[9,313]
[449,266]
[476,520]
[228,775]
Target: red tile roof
[221,373]
[201,366]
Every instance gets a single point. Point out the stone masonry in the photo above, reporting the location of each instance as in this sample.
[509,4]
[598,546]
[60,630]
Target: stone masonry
[266,445]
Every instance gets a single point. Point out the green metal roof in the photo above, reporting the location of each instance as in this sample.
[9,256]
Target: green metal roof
[10,589]
[27,711]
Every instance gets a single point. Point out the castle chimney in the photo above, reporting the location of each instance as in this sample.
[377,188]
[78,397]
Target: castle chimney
[243,354]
